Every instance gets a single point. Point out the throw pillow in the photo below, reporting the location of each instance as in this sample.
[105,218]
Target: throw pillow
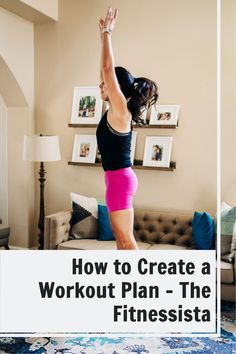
[104,226]
[84,220]
[101,201]
[203,230]
[228,232]
[233,245]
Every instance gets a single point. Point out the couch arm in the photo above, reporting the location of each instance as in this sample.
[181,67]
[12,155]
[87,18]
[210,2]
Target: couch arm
[56,229]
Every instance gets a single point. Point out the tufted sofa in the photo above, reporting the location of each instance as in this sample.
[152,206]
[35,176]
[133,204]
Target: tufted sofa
[153,230]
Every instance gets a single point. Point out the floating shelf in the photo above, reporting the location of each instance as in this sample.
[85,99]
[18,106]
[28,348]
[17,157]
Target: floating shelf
[137,165]
[72,125]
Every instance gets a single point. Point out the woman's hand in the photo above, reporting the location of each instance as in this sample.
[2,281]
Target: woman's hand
[109,21]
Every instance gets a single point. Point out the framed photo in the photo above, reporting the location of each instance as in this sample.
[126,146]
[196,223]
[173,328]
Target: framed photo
[164,115]
[87,105]
[85,148]
[133,143]
[157,151]
[144,117]
[98,157]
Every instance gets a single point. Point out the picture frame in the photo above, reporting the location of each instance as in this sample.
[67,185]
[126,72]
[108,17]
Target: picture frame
[133,144]
[85,148]
[143,116]
[87,105]
[164,115]
[98,157]
[157,151]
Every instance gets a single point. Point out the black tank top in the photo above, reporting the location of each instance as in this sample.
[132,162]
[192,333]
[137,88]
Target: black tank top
[115,147]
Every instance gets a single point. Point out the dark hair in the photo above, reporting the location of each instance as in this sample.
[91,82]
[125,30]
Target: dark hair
[140,92]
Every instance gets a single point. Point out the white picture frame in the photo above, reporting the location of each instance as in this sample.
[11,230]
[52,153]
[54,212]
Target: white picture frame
[153,156]
[164,115]
[143,116]
[87,105]
[85,148]
[133,144]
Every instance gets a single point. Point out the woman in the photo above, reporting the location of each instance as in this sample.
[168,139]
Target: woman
[157,153]
[127,97]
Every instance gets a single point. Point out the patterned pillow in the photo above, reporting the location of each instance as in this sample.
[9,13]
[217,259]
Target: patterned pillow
[84,220]
[228,232]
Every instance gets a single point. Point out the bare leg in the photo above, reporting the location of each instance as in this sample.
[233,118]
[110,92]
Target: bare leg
[122,222]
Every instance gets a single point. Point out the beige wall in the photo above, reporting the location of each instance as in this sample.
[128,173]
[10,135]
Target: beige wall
[36,11]
[49,8]
[20,188]
[228,101]
[17,69]
[171,42]
[17,50]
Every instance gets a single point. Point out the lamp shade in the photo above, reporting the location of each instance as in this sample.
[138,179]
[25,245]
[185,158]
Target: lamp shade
[41,148]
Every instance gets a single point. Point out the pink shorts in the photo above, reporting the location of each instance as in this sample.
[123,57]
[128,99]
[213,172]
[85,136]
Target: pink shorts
[121,185]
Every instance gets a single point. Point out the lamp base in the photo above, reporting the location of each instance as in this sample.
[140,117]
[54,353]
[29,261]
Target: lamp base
[42,180]
[41,241]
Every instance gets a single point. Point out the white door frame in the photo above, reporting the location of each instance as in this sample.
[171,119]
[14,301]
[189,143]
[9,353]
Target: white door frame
[3,163]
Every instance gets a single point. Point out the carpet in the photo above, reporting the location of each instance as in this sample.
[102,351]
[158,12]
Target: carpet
[225,344]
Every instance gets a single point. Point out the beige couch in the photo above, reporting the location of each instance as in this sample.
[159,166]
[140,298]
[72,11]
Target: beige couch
[153,230]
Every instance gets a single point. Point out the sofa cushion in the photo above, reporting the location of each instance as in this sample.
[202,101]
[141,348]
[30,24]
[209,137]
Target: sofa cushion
[227,272]
[84,220]
[83,244]
[203,231]
[163,227]
[104,226]
[166,246]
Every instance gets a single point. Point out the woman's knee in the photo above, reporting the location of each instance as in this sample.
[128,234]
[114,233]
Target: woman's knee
[126,244]
[123,237]
[121,232]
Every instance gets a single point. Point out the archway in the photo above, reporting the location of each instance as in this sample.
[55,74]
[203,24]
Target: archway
[14,177]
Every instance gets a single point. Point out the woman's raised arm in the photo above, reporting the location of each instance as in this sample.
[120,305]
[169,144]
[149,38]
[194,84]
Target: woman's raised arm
[116,97]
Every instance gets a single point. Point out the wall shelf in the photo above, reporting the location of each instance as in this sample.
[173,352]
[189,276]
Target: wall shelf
[148,126]
[137,165]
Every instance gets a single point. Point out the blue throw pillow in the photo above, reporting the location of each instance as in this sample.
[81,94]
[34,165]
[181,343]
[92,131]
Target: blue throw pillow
[203,231]
[104,226]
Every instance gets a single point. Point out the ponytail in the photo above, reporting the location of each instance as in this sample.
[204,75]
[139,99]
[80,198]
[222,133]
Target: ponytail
[144,95]
[141,93]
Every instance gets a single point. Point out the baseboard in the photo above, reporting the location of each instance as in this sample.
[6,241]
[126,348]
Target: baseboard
[12,247]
